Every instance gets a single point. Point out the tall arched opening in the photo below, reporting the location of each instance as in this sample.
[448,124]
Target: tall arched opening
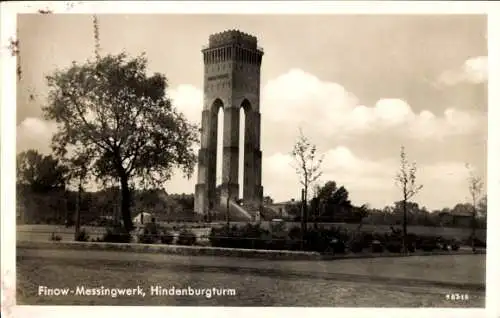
[213,158]
[246,150]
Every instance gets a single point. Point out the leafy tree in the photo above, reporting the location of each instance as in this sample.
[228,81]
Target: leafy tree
[331,194]
[40,173]
[340,197]
[111,112]
[326,192]
[463,209]
[406,180]
[330,199]
[267,200]
[412,210]
[186,201]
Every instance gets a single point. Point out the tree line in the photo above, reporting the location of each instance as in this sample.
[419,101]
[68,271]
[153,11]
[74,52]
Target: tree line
[331,201]
[44,196]
[332,204]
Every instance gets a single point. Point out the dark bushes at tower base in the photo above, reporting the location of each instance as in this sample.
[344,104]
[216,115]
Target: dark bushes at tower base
[254,237]
[152,233]
[335,240]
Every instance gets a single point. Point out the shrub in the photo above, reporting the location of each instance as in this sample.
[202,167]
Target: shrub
[325,240]
[411,247]
[377,247]
[150,234]
[336,246]
[316,240]
[276,243]
[455,245]
[356,246]
[367,239]
[145,238]
[82,236]
[116,235]
[54,237]
[394,246]
[411,242]
[217,237]
[248,236]
[430,243]
[186,237]
[428,247]
[294,238]
[166,237]
[222,236]
[477,242]
[254,237]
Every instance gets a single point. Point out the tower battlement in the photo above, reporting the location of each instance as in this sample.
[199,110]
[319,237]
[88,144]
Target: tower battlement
[230,37]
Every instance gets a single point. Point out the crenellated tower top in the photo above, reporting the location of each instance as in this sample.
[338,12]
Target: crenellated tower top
[233,37]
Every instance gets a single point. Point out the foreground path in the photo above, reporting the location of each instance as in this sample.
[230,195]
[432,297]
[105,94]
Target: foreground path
[389,282]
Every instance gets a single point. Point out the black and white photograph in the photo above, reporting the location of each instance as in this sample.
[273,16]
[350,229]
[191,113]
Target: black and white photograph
[249,160]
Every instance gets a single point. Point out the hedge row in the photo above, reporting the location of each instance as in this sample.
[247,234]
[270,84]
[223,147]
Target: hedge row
[152,233]
[334,240]
[250,236]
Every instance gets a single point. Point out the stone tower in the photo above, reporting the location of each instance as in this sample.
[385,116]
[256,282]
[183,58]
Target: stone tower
[232,63]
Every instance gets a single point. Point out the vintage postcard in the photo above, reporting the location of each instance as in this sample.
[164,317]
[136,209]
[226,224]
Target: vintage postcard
[282,158]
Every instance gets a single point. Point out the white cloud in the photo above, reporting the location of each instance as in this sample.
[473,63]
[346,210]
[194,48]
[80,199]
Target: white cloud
[453,122]
[445,183]
[189,100]
[474,70]
[298,98]
[34,133]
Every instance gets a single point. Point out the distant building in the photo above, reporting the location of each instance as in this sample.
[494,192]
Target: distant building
[456,219]
[143,218]
[282,208]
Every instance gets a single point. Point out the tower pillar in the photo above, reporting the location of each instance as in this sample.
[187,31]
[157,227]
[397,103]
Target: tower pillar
[249,161]
[230,152]
[207,160]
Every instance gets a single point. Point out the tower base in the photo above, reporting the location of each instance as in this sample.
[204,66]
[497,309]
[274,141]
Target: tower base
[200,199]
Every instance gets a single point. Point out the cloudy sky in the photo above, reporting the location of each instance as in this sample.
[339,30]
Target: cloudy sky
[359,86]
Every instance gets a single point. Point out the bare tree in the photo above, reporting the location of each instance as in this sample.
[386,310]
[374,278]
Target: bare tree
[475,191]
[307,163]
[406,181]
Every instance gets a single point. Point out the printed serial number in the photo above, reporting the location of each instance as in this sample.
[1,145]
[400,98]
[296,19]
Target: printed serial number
[457,296]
